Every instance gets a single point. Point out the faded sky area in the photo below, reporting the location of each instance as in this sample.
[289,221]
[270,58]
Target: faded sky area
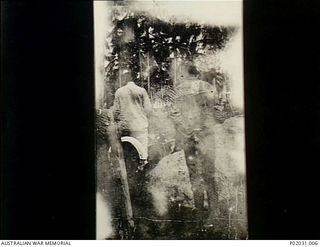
[203,12]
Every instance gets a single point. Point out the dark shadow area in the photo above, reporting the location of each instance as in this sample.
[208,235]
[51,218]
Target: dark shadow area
[47,117]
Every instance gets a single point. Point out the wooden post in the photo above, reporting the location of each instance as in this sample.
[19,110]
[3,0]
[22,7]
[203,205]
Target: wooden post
[123,172]
[125,187]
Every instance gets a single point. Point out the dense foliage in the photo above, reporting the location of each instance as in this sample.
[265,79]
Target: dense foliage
[150,47]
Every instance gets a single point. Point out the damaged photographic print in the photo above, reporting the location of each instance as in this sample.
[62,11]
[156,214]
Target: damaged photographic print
[170,149]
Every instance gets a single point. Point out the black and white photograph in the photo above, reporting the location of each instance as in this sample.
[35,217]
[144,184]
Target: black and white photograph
[170,153]
[159,120]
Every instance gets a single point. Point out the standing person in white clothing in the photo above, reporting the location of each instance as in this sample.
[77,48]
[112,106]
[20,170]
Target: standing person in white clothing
[130,114]
[131,109]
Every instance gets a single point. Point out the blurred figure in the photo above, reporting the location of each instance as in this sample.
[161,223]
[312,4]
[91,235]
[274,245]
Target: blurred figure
[131,109]
[130,114]
[194,117]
